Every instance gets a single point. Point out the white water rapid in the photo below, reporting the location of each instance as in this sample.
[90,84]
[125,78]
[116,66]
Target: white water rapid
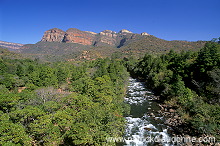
[145,126]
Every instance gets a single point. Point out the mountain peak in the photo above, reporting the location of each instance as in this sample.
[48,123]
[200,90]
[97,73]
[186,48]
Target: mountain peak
[144,33]
[125,31]
[72,30]
[108,33]
[53,35]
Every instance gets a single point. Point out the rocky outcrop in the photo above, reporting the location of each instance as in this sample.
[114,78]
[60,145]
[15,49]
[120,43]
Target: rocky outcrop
[106,37]
[144,33]
[109,33]
[53,35]
[105,40]
[124,31]
[74,35]
[91,32]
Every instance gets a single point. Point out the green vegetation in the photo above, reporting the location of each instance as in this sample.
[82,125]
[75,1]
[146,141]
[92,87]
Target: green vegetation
[154,45]
[188,81]
[55,51]
[81,102]
[61,103]
[4,53]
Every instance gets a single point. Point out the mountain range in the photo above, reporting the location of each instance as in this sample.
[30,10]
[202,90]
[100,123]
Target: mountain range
[74,44]
[106,37]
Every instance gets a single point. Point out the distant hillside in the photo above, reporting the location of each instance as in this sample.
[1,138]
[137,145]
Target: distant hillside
[74,44]
[55,51]
[10,46]
[152,44]
[5,53]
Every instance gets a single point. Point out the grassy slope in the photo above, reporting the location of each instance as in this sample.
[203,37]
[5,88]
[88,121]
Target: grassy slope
[154,45]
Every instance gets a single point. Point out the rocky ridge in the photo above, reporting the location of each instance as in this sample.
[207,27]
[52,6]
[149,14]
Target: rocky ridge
[75,44]
[74,35]
[10,46]
[53,35]
[106,37]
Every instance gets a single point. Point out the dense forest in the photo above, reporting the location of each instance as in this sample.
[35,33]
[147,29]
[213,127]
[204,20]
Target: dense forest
[187,81]
[61,103]
[82,102]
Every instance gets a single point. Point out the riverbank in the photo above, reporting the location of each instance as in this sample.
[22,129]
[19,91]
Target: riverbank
[166,113]
[176,118]
[181,129]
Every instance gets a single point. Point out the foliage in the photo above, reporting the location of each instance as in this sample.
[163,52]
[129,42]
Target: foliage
[81,103]
[188,79]
[61,103]
[153,45]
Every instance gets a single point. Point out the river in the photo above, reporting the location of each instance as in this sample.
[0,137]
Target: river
[144,124]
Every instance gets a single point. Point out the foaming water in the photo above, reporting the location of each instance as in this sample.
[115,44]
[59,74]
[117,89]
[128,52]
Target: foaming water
[145,126]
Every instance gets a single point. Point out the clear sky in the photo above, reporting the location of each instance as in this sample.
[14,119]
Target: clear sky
[24,21]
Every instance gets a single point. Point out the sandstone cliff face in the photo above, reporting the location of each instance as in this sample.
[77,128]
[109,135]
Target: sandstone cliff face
[106,37]
[109,33]
[53,35]
[74,35]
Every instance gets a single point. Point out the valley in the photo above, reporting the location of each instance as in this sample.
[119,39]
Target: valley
[83,88]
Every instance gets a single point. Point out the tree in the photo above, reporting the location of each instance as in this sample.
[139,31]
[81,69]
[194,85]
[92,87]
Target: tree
[3,67]
[208,58]
[12,133]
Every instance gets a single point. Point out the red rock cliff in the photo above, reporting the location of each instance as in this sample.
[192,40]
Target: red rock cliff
[53,35]
[74,35]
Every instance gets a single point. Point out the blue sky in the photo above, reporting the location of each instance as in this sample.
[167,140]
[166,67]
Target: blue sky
[24,21]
